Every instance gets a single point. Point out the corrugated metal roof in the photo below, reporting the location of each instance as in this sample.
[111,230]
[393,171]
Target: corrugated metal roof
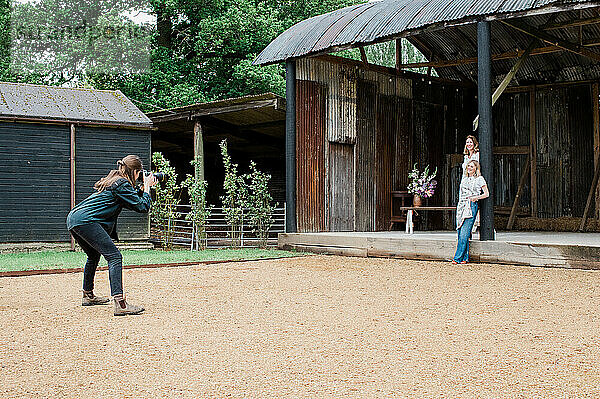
[387,19]
[26,101]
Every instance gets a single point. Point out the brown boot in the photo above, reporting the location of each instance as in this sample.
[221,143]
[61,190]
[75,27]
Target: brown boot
[89,299]
[127,309]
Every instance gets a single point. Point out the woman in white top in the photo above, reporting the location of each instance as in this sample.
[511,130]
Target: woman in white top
[472,189]
[471,153]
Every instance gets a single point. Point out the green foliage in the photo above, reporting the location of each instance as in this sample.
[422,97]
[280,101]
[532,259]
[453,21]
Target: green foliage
[201,50]
[234,198]
[260,209]
[385,54]
[200,211]
[164,208]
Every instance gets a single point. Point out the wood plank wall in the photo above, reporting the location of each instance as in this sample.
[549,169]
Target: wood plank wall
[310,156]
[35,183]
[365,156]
[370,132]
[97,151]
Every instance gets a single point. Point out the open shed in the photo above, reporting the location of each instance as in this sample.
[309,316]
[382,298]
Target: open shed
[254,127]
[55,143]
[355,129]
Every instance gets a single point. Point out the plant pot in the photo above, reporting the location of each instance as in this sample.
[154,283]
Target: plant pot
[417,200]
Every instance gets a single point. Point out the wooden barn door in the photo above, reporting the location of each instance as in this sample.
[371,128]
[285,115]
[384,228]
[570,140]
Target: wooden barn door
[310,156]
[385,149]
[365,156]
[341,187]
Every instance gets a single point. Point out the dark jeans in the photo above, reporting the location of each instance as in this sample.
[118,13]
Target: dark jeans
[94,241]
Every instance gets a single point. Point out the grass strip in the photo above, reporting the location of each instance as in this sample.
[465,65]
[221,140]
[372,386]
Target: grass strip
[72,260]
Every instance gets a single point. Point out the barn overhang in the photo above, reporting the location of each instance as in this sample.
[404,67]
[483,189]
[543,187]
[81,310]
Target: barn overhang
[566,36]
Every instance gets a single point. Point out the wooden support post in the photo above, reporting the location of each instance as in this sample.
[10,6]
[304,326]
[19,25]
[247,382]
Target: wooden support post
[509,76]
[72,162]
[486,132]
[198,150]
[290,147]
[513,211]
[533,151]
[588,204]
[596,115]
[363,56]
[398,54]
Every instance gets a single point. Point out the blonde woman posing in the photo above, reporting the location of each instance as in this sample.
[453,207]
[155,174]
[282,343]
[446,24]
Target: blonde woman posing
[472,189]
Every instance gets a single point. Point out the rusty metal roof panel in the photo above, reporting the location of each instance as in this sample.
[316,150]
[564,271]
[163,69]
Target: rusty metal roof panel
[26,101]
[386,19]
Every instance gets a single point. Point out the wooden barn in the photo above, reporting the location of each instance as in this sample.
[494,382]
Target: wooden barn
[355,129]
[55,143]
[254,127]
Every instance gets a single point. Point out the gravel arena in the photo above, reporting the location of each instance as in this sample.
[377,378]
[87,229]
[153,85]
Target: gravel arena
[311,327]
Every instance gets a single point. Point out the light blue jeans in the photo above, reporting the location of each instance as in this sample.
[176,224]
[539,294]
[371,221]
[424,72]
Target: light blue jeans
[464,233]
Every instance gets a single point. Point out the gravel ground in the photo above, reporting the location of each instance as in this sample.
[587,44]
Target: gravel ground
[315,327]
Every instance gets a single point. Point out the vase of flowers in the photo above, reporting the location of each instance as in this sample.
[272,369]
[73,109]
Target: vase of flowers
[422,184]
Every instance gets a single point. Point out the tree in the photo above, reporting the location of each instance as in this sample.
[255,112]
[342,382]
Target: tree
[259,204]
[199,209]
[234,198]
[164,208]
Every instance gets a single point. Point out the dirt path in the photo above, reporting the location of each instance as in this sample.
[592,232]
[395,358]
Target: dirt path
[314,327]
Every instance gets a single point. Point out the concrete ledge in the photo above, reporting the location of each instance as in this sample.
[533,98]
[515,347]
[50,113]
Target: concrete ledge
[441,246]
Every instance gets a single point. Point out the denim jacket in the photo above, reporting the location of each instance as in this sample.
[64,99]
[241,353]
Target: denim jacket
[104,207]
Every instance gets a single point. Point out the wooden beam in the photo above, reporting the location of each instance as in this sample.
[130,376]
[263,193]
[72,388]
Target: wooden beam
[596,118]
[234,108]
[72,162]
[198,151]
[570,24]
[363,56]
[513,211]
[588,203]
[398,54]
[533,151]
[495,57]
[564,44]
[512,150]
[509,76]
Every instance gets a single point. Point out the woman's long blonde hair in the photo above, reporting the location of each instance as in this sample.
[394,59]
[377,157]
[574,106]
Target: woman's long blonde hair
[477,168]
[127,168]
[475,145]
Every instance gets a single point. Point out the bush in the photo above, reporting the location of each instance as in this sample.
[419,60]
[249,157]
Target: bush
[164,209]
[200,211]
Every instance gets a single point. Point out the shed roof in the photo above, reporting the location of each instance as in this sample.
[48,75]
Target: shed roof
[376,21]
[19,101]
[445,30]
[255,122]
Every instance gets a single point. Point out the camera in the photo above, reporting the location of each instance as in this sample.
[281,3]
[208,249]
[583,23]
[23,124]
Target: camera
[160,177]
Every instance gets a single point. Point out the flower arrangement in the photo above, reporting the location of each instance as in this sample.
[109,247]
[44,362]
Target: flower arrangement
[422,183]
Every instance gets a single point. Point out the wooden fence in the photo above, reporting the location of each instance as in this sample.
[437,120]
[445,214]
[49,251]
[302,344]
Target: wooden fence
[218,230]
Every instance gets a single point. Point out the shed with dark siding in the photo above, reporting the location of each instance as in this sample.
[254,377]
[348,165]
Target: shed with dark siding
[54,144]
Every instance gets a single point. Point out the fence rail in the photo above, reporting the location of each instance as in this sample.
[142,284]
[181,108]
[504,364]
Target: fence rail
[218,230]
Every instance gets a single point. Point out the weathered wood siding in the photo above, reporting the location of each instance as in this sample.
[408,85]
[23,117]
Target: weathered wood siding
[310,156]
[97,151]
[35,191]
[374,131]
[365,156]
[341,187]
[565,154]
[35,182]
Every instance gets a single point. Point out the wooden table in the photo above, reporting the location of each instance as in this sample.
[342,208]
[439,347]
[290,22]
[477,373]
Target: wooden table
[410,210]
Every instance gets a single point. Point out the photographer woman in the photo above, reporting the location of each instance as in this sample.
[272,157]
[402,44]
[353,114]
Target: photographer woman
[93,221]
